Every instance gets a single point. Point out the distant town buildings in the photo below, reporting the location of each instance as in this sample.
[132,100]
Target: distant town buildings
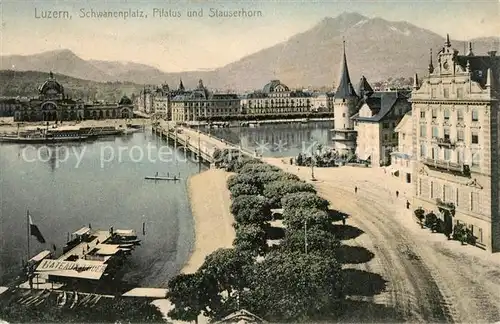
[53,105]
[156,100]
[365,121]
[322,102]
[401,159]
[9,105]
[200,103]
[276,98]
[456,143]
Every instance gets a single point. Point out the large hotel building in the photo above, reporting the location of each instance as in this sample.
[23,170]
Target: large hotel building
[456,146]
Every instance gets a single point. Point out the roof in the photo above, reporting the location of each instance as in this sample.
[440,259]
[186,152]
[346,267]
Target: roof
[364,88]
[406,119]
[146,292]
[83,230]
[51,84]
[242,316]
[83,269]
[479,66]
[107,249]
[381,103]
[345,88]
[40,256]
[271,86]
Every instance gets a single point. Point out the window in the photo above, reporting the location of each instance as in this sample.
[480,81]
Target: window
[460,157]
[446,133]
[432,189]
[446,92]
[434,153]
[460,135]
[460,93]
[385,125]
[422,150]
[433,92]
[386,137]
[422,114]
[435,132]
[434,113]
[474,201]
[456,197]
[404,135]
[343,114]
[394,135]
[475,138]
[447,154]
[476,158]
[446,114]
[420,187]
[475,115]
[423,129]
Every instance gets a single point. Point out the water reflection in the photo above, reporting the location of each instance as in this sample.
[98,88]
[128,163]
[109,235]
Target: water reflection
[278,139]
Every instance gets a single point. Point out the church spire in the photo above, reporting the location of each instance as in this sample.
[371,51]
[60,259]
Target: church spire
[345,88]
[431,66]
[447,44]
[181,86]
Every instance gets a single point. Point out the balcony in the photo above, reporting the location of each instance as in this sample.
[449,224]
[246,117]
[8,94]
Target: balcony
[445,206]
[444,142]
[459,168]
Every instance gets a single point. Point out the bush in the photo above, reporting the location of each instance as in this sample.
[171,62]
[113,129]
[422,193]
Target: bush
[243,179]
[251,209]
[258,167]
[258,179]
[276,190]
[250,238]
[243,189]
[295,218]
[304,200]
[318,241]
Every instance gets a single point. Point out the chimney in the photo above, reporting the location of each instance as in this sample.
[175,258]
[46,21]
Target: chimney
[492,53]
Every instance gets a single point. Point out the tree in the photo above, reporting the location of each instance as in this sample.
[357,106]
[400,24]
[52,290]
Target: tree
[257,168]
[190,294]
[318,241]
[420,214]
[228,270]
[304,200]
[242,179]
[276,190]
[243,189]
[296,217]
[432,222]
[251,209]
[296,287]
[251,238]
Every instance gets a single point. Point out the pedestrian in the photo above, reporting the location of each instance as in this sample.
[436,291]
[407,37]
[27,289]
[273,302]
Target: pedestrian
[343,220]
[407,204]
[397,194]
[355,189]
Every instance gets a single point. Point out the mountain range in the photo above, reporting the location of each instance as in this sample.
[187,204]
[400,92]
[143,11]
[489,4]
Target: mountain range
[376,48]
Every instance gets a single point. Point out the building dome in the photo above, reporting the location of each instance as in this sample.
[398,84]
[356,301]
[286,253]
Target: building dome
[51,87]
[271,86]
[125,101]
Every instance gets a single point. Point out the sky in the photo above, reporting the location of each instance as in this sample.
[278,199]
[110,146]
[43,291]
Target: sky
[183,43]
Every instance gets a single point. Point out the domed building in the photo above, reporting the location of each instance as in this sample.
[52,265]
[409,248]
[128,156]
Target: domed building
[52,104]
[277,98]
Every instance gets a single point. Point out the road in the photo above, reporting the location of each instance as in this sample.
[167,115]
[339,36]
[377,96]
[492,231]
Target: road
[429,279]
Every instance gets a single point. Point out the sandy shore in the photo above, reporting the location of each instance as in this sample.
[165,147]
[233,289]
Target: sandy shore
[210,202]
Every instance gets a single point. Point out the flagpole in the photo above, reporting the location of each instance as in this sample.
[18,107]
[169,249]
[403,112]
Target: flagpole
[28,232]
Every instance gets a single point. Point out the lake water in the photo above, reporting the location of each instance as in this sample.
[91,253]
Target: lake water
[106,187]
[278,140]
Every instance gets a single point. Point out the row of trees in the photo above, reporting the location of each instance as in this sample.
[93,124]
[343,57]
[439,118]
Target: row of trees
[287,282]
[244,117]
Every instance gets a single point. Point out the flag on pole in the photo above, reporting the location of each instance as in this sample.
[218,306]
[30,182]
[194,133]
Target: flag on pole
[35,231]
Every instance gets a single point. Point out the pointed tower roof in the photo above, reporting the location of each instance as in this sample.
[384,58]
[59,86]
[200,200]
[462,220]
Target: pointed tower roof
[345,88]
[364,88]
[181,86]
[447,43]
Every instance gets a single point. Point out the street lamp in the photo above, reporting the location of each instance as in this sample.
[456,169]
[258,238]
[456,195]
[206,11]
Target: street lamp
[313,161]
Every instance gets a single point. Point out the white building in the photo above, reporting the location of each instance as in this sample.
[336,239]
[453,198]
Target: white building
[401,159]
[456,143]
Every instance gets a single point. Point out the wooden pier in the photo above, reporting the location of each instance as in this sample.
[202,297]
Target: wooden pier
[201,144]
